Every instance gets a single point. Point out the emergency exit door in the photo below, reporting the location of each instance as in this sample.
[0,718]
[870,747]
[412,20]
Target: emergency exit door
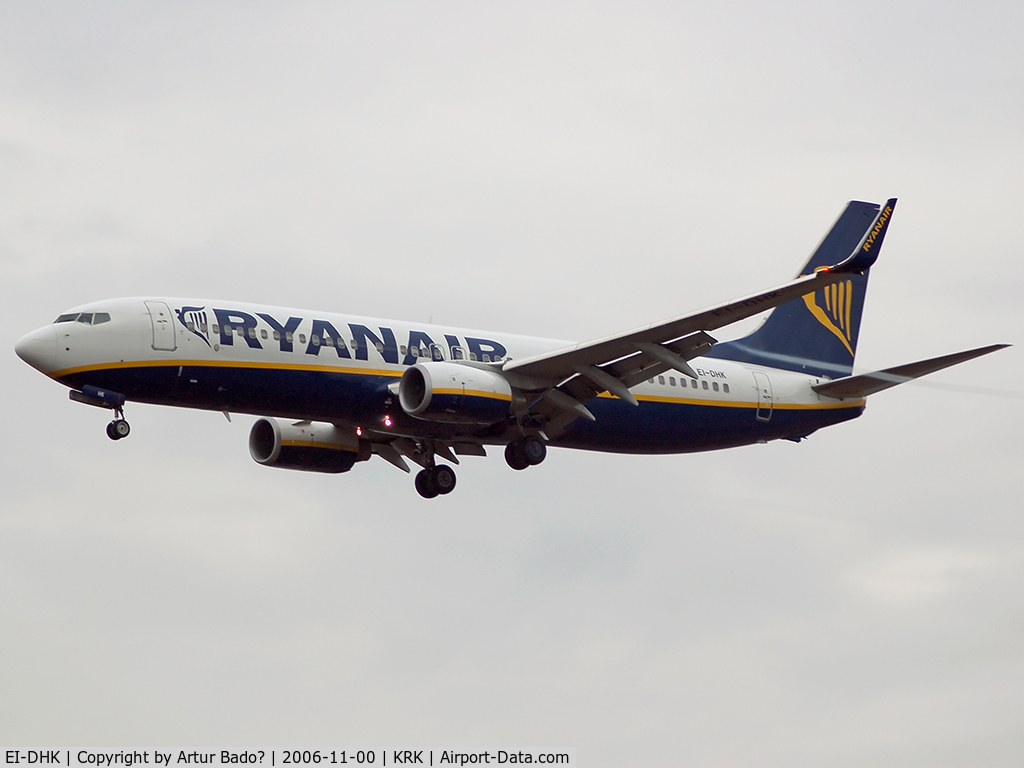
[764,395]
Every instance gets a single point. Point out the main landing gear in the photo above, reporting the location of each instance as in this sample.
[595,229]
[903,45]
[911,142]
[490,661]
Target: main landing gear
[525,452]
[435,480]
[439,479]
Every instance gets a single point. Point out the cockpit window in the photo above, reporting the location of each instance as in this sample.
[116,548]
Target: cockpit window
[89,318]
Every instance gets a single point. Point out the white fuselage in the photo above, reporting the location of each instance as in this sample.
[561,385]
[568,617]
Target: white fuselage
[302,364]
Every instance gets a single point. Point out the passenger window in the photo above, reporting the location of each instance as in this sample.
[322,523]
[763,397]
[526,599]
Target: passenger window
[704,384]
[277,335]
[252,333]
[85,317]
[661,379]
[380,347]
[240,330]
[401,350]
[202,327]
[101,317]
[263,333]
[725,388]
[289,337]
[415,351]
[693,383]
[487,358]
[227,329]
[190,325]
[329,341]
[456,353]
[472,356]
[216,328]
[315,339]
[302,338]
[672,380]
[714,385]
[650,381]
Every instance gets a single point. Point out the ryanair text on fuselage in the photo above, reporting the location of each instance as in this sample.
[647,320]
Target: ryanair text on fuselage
[322,334]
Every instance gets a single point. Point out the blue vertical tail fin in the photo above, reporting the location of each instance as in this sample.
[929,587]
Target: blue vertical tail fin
[817,334]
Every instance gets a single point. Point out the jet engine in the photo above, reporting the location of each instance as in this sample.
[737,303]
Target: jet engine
[305,445]
[450,392]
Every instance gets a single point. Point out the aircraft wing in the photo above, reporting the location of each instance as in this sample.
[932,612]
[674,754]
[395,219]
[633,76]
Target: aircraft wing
[566,378]
[869,383]
[561,363]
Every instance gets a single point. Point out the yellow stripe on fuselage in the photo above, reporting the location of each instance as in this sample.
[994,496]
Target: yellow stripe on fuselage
[225,364]
[446,391]
[745,403]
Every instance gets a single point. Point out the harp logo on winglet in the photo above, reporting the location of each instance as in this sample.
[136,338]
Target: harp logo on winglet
[835,315]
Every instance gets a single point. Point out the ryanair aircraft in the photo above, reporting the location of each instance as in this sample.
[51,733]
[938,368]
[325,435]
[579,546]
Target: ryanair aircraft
[333,390]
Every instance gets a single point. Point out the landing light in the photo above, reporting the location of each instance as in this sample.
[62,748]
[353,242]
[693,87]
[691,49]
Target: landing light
[359,431]
[387,421]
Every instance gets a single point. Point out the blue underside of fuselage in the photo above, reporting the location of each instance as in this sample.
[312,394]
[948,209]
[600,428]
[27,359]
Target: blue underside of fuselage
[365,400]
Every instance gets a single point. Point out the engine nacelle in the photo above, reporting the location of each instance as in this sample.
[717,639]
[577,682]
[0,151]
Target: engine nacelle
[307,446]
[450,392]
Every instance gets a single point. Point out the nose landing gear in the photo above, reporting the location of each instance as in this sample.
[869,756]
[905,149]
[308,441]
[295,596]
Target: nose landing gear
[118,429]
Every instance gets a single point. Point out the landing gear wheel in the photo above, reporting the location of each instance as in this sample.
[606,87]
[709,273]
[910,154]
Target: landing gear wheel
[425,485]
[534,450]
[515,456]
[525,452]
[444,479]
[118,429]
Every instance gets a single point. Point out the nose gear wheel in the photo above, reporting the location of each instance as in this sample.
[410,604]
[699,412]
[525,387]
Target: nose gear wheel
[118,429]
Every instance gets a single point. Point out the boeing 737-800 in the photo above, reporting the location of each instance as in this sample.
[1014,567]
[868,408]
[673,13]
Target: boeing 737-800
[333,390]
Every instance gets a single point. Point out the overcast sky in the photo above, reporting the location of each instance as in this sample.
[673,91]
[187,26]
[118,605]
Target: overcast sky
[565,170]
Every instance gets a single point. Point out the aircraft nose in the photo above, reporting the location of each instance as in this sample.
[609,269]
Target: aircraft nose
[39,348]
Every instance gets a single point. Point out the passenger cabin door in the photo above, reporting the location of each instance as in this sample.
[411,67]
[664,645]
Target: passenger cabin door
[764,395]
[163,325]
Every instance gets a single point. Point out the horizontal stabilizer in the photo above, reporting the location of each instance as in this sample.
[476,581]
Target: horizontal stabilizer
[869,383]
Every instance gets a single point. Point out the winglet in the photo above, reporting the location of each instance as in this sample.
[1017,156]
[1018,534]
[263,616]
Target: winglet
[866,252]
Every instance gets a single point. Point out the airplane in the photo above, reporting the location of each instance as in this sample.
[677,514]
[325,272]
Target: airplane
[332,390]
